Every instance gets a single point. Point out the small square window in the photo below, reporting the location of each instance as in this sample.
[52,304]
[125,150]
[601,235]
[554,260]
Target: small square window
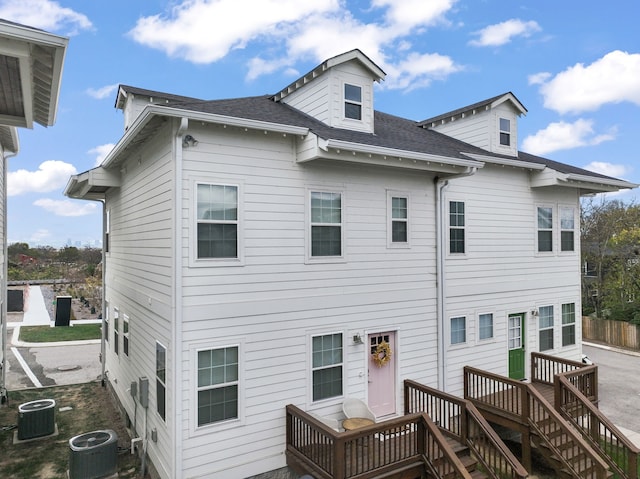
[485,326]
[458,330]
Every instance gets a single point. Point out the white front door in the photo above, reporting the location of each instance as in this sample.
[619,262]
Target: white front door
[382,373]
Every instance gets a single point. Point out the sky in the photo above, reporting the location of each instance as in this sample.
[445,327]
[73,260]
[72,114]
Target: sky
[574,64]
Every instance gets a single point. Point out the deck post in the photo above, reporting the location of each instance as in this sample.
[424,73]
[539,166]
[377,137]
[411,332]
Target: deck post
[526,449]
[339,464]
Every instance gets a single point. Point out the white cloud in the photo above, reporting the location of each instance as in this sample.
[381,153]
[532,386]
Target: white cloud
[502,33]
[103,92]
[564,136]
[610,79]
[50,176]
[101,152]
[204,31]
[40,236]
[609,169]
[45,14]
[67,207]
[538,78]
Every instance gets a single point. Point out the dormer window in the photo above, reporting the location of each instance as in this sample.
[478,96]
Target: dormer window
[505,132]
[352,102]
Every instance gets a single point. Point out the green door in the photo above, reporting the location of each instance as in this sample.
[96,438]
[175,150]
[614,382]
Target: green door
[516,346]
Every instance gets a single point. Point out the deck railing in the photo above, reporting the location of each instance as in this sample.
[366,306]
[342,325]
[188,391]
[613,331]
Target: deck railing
[460,419]
[523,404]
[383,448]
[545,368]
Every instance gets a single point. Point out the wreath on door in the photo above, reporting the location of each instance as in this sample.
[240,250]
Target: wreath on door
[382,354]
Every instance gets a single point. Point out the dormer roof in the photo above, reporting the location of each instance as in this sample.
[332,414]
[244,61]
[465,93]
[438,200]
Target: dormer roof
[377,74]
[480,106]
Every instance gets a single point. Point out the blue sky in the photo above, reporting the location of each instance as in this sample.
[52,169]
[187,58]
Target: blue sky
[574,64]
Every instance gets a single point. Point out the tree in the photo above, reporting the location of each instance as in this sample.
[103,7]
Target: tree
[610,234]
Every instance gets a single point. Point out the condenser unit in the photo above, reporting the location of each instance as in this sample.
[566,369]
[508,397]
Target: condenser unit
[93,455]
[36,419]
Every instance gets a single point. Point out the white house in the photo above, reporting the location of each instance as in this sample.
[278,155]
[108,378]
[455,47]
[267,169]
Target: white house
[31,62]
[260,250]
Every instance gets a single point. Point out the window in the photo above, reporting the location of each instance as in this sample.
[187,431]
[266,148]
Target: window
[106,322]
[458,330]
[545,229]
[217,221]
[327,366]
[485,326]
[567,229]
[456,227]
[217,385]
[352,102]
[161,380]
[125,334]
[545,318]
[505,132]
[568,324]
[326,224]
[107,230]
[399,220]
[116,319]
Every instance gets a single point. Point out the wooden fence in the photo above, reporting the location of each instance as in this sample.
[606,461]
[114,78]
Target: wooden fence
[615,333]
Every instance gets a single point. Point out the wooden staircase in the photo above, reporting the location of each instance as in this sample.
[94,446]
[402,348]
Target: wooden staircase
[464,454]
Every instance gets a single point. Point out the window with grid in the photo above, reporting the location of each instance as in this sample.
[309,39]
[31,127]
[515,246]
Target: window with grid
[568,324]
[106,322]
[458,330]
[326,224]
[505,132]
[217,232]
[352,102]
[485,326]
[545,327]
[161,384]
[456,227]
[327,365]
[116,336]
[567,229]
[545,229]
[125,334]
[217,385]
[399,219]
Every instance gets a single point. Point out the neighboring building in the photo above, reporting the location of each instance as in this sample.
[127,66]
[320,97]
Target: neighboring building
[259,250]
[30,72]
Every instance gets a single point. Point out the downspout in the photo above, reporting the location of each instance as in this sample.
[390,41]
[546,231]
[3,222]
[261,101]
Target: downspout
[4,398]
[177,302]
[441,240]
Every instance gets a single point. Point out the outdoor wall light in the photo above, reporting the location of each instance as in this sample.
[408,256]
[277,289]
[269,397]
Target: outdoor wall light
[534,313]
[188,141]
[357,339]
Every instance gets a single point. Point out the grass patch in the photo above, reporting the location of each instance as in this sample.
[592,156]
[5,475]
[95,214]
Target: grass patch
[45,334]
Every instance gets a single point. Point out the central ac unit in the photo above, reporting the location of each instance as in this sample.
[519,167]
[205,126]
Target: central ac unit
[93,455]
[36,419]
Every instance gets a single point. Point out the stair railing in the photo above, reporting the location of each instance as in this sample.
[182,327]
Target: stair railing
[619,452]
[460,419]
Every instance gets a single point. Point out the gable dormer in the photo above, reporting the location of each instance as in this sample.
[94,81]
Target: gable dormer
[490,124]
[338,92]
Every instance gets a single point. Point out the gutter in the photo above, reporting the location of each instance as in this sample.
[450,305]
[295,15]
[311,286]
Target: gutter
[441,236]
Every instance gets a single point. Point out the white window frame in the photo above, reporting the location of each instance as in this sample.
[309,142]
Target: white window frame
[161,382]
[107,232]
[464,330]
[311,367]
[347,101]
[547,327]
[116,331]
[456,227]
[507,132]
[562,229]
[493,334]
[572,324]
[225,423]
[125,335]
[391,195]
[194,260]
[551,230]
[107,330]
[309,224]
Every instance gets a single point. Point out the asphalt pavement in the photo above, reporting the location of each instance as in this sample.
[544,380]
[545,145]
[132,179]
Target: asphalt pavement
[47,364]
